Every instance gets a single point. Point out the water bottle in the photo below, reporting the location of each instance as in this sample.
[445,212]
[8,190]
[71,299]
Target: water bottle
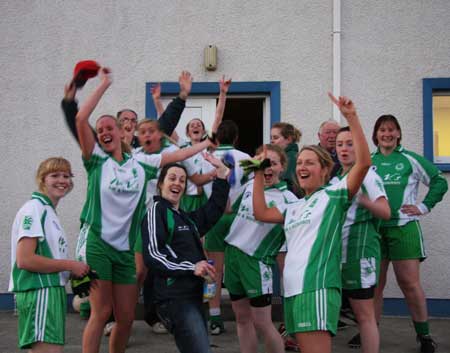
[209,286]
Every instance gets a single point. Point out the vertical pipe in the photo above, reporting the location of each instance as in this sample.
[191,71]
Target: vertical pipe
[336,55]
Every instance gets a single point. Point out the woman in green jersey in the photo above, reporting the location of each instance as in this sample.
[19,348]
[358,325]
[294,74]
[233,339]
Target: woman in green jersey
[312,277]
[402,172]
[361,243]
[40,268]
[250,252]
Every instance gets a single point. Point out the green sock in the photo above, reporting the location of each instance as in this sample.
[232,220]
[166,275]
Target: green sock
[216,318]
[422,328]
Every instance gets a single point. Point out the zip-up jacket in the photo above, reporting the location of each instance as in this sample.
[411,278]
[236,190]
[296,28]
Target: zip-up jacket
[171,243]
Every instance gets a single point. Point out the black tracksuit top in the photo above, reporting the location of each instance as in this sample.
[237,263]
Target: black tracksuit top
[171,243]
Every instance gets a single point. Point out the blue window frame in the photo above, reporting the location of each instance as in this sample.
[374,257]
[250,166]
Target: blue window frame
[434,88]
[270,88]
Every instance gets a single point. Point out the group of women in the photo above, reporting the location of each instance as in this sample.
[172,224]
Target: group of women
[327,235]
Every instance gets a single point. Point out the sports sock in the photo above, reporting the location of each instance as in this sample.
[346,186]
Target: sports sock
[422,328]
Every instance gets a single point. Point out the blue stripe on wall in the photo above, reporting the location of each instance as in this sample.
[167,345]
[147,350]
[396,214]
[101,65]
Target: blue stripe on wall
[392,306]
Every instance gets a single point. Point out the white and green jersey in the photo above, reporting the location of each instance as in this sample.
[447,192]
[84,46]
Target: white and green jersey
[401,172]
[193,166]
[115,203]
[153,159]
[313,228]
[236,179]
[258,239]
[373,188]
[38,219]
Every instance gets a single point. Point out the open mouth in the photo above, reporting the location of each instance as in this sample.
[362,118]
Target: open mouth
[107,140]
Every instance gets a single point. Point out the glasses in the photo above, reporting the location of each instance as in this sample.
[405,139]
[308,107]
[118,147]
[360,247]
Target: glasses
[128,120]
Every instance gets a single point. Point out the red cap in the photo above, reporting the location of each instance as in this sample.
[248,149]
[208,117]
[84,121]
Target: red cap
[83,71]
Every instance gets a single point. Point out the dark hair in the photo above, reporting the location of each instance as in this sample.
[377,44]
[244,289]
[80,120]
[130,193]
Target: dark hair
[288,130]
[227,132]
[119,113]
[164,171]
[387,118]
[189,122]
[343,129]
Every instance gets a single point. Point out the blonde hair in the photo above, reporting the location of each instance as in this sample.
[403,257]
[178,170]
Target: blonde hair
[155,124]
[52,165]
[324,157]
[288,130]
[278,150]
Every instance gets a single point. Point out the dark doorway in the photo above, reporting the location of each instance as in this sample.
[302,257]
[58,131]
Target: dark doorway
[247,113]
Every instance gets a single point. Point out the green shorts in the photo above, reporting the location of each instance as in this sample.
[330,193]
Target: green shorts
[42,316]
[190,203]
[402,242]
[313,311]
[360,274]
[245,275]
[109,263]
[214,239]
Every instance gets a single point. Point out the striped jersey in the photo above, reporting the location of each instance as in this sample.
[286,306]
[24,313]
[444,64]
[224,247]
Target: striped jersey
[236,179]
[155,160]
[259,239]
[193,166]
[373,188]
[115,203]
[37,219]
[313,233]
[401,172]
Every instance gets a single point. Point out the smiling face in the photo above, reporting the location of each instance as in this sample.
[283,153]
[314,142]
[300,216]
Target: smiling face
[388,136]
[173,185]
[108,134]
[344,149]
[327,135]
[272,173]
[310,173]
[56,185]
[276,138]
[195,130]
[149,136]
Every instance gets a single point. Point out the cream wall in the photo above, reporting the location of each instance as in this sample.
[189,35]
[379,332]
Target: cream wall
[288,41]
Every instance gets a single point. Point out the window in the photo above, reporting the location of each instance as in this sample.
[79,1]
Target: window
[436,121]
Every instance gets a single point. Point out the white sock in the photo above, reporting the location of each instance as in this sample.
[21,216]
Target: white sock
[214,312]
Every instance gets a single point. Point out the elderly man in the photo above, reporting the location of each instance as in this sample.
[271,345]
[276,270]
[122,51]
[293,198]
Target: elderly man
[327,139]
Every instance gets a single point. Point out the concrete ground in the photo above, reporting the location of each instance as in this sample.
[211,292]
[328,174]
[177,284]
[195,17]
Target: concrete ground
[397,336]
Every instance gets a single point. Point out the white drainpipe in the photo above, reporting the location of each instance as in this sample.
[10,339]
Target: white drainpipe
[336,55]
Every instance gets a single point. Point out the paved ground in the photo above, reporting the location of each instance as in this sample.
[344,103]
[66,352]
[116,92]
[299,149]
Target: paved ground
[397,337]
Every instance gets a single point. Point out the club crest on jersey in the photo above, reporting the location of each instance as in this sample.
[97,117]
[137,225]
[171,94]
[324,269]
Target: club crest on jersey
[399,166]
[27,222]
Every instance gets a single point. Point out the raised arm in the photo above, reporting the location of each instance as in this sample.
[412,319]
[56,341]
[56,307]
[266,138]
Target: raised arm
[260,210]
[169,118]
[224,85]
[184,153]
[362,154]
[156,96]
[85,134]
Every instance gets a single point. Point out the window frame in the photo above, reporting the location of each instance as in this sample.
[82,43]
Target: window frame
[431,85]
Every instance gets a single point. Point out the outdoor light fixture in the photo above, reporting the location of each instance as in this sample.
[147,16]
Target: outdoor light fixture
[210,57]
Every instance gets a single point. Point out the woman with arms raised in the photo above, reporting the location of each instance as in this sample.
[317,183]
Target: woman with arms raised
[312,277]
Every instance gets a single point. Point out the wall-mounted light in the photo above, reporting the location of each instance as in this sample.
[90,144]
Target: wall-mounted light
[210,56]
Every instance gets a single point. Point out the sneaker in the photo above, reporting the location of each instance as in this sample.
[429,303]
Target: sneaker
[159,328]
[355,341]
[427,344]
[290,344]
[216,327]
[108,328]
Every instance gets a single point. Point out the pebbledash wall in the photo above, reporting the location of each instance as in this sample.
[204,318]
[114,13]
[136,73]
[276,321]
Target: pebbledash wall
[387,48]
